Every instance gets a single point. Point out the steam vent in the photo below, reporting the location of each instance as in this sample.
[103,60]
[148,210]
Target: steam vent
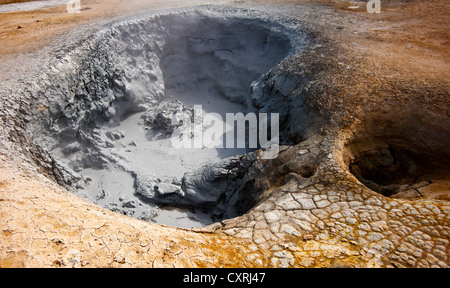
[224,134]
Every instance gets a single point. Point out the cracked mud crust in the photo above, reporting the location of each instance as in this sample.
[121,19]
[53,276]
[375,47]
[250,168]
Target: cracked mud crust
[370,107]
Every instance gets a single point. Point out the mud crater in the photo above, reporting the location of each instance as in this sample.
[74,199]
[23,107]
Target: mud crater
[106,117]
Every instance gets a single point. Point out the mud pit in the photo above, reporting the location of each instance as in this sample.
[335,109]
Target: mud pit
[109,121]
[346,118]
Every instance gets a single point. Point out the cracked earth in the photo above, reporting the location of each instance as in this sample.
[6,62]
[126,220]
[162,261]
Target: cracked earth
[307,208]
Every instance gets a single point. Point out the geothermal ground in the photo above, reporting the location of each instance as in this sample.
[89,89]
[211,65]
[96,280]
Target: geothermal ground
[88,177]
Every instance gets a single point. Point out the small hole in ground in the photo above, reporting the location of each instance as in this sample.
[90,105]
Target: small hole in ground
[396,168]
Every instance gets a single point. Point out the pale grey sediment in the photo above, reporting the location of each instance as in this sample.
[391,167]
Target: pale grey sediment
[32,5]
[318,203]
[109,101]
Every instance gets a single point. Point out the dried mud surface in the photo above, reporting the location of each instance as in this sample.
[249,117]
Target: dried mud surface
[378,87]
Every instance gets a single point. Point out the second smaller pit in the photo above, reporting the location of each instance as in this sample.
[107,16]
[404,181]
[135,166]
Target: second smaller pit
[397,160]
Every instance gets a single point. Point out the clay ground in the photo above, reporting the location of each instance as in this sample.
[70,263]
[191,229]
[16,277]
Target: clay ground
[409,37]
[410,34]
